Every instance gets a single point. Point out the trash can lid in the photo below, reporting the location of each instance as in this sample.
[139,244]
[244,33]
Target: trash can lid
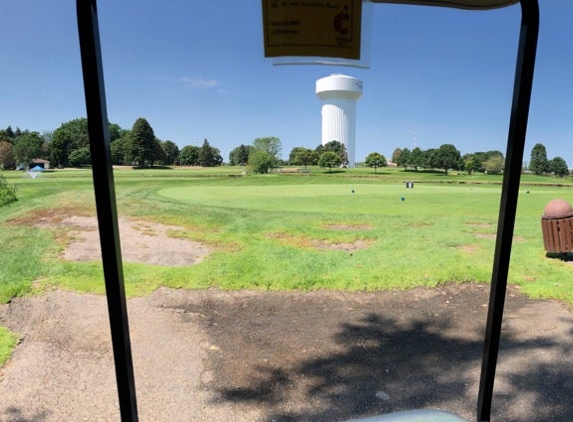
[558,208]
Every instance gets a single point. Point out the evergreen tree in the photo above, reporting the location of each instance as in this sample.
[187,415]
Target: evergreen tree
[206,155]
[539,164]
[240,155]
[142,142]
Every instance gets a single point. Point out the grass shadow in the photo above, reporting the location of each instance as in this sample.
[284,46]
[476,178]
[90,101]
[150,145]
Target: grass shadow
[154,167]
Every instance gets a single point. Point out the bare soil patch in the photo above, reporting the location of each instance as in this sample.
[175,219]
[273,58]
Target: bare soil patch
[492,236]
[141,241]
[301,241]
[358,226]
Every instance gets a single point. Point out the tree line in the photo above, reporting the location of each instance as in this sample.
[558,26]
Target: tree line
[68,146]
[447,157]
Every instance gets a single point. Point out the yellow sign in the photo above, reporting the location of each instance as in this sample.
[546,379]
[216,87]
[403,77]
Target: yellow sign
[323,28]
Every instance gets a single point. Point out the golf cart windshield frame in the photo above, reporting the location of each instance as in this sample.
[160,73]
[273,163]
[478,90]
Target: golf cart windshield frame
[107,212]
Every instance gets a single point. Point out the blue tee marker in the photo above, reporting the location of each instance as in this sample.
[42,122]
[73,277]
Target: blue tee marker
[402,199]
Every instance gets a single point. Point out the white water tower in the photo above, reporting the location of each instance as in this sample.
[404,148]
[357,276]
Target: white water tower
[339,94]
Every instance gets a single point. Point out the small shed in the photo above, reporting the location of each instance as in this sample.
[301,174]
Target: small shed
[39,162]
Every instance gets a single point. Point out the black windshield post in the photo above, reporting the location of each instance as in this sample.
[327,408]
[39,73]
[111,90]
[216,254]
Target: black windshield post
[509,196]
[106,205]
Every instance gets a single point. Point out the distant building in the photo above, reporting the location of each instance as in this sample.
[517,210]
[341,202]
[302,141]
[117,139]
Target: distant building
[45,164]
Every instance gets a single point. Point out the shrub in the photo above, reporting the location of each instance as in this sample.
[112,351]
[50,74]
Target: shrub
[7,192]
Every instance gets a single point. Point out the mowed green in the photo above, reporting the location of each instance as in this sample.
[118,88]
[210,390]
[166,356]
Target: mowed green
[347,198]
[292,232]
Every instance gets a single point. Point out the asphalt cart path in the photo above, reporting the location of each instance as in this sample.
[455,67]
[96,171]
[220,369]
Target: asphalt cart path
[212,355]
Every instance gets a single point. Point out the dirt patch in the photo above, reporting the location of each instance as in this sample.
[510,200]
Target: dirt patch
[492,236]
[470,249]
[141,241]
[480,225]
[341,246]
[248,356]
[304,242]
[343,227]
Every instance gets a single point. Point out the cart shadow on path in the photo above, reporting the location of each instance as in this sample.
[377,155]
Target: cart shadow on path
[378,363]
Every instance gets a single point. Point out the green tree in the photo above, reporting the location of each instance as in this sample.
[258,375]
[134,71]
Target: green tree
[10,132]
[206,155]
[60,147]
[217,156]
[396,155]
[46,141]
[336,147]
[416,158]
[6,155]
[272,145]
[80,157]
[142,142]
[375,160]
[495,164]
[27,147]
[117,149]
[479,160]
[404,159]
[159,155]
[539,164]
[240,156]
[7,135]
[121,149]
[430,158]
[301,156]
[447,157]
[189,156]
[115,131]
[71,135]
[329,159]
[68,137]
[171,152]
[558,166]
[7,192]
[261,161]
[4,137]
[471,163]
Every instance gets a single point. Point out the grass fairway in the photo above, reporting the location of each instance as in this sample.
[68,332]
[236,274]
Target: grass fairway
[351,230]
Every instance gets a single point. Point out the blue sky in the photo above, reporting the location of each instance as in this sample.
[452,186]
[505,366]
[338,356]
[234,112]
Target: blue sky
[195,70]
